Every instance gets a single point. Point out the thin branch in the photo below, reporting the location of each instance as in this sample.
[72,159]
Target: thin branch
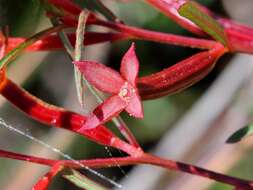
[143,34]
[142,159]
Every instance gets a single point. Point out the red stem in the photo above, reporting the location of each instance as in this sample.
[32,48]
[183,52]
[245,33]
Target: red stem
[143,34]
[52,42]
[59,117]
[141,159]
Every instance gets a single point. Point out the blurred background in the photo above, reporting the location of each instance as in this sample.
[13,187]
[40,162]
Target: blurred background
[190,126]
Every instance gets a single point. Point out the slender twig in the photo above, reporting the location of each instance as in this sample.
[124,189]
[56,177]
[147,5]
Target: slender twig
[142,159]
[143,34]
[149,35]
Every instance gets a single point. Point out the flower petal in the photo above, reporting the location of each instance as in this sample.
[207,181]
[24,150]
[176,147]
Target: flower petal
[134,108]
[104,112]
[130,65]
[102,77]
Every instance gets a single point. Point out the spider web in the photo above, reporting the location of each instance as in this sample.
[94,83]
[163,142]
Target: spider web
[57,151]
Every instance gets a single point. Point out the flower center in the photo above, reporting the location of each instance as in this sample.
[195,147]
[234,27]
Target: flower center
[126,92]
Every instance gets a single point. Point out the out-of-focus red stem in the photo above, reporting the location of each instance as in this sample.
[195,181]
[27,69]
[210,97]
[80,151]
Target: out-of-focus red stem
[130,160]
[240,42]
[52,42]
[232,25]
[240,36]
[59,117]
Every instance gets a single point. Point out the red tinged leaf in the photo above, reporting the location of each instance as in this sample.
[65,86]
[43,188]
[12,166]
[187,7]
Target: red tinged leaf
[104,112]
[134,108]
[130,66]
[180,75]
[102,77]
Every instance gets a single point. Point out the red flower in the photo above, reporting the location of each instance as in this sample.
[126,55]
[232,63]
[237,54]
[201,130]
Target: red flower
[122,85]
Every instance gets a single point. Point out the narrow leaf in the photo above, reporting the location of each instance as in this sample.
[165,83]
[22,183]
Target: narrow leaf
[82,181]
[80,34]
[79,80]
[193,12]
[240,134]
